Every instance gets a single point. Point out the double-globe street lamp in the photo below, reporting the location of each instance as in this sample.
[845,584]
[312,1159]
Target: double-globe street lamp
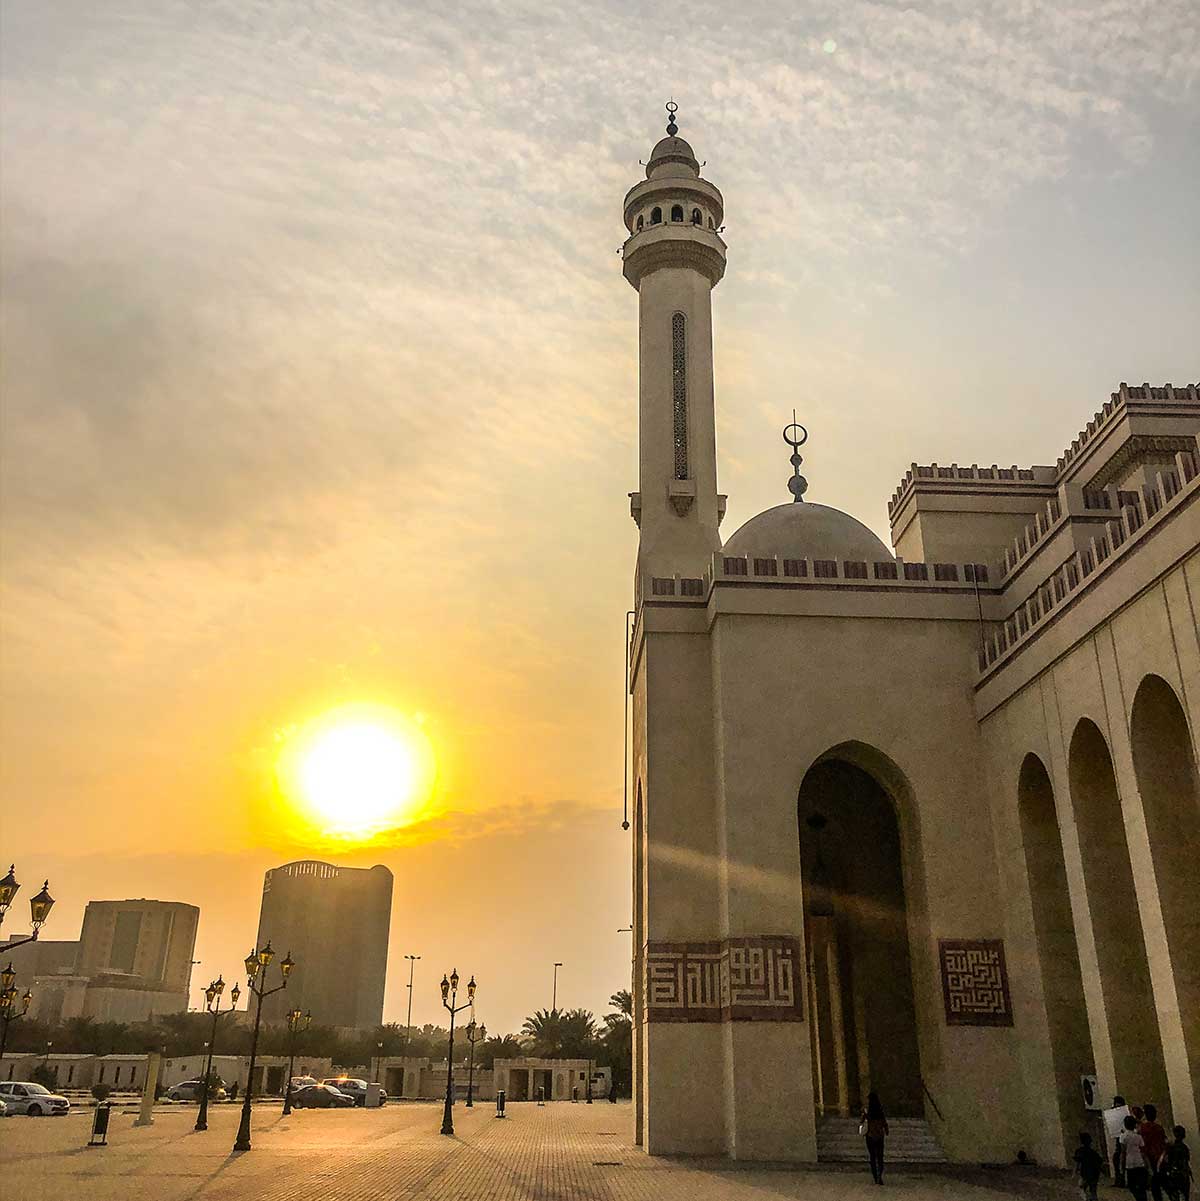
[473,1036]
[212,1004]
[39,907]
[296,1021]
[257,963]
[10,1008]
[449,1001]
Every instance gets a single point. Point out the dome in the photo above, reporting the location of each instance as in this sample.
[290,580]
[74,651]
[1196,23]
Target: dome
[672,156]
[802,530]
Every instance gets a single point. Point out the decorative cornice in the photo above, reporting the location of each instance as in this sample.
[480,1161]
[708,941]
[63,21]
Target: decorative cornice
[691,247]
[1135,451]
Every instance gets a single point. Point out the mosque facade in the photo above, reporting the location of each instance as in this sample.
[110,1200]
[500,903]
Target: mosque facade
[923,820]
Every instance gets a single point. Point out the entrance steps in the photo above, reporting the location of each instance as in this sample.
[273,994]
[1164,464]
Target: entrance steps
[910,1141]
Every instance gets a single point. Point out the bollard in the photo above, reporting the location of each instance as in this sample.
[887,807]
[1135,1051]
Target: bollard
[574,1094]
[541,1096]
[100,1125]
[500,1103]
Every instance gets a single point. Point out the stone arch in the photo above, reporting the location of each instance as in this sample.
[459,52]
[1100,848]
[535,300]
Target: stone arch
[1054,934]
[656,215]
[641,221]
[677,212]
[862,1000]
[1125,986]
[697,217]
[1164,762]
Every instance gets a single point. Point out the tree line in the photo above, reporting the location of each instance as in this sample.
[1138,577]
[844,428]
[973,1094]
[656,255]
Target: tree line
[551,1034]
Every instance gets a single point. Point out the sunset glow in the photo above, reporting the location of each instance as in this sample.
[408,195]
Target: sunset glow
[357,771]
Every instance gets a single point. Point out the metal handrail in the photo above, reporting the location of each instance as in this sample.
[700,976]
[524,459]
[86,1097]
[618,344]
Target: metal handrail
[925,1088]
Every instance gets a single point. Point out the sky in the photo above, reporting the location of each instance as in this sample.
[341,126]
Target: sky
[319,380]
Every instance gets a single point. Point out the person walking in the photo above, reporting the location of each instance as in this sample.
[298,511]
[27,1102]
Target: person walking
[1154,1140]
[1137,1175]
[874,1129]
[1088,1162]
[1176,1167]
[1114,1125]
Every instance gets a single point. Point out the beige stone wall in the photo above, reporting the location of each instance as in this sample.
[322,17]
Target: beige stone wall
[1090,672]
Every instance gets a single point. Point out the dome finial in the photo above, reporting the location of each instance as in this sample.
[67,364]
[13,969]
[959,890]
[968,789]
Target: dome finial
[795,435]
[672,109]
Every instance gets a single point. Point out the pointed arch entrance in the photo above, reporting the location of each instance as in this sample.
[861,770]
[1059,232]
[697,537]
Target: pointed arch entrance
[1129,1008]
[861,998]
[1057,949]
[1164,761]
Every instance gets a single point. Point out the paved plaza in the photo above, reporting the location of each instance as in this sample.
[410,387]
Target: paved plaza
[559,1152]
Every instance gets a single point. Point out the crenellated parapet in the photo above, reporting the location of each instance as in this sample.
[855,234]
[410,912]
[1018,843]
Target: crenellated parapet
[1134,516]
[949,475]
[1125,398]
[753,570]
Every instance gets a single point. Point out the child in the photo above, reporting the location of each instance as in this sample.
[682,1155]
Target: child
[1088,1162]
[1137,1174]
[1176,1169]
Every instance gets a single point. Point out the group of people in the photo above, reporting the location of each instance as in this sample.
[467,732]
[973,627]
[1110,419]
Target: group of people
[1143,1160]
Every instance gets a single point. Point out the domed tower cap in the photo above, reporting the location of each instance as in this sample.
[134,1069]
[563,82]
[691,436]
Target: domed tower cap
[672,152]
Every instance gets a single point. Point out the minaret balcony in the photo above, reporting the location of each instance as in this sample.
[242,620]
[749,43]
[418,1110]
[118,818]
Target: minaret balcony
[674,244]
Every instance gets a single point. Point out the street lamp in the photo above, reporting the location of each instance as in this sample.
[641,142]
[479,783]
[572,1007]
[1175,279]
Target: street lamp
[39,907]
[212,1004]
[412,967]
[378,1060]
[257,963]
[473,1037]
[554,1001]
[449,998]
[11,1009]
[296,1021]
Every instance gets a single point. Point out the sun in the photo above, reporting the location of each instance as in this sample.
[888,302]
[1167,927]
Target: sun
[357,771]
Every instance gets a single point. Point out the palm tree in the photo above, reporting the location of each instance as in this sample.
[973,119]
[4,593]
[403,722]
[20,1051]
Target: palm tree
[543,1033]
[622,1002]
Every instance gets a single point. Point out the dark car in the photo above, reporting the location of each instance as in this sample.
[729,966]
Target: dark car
[356,1087]
[321,1096]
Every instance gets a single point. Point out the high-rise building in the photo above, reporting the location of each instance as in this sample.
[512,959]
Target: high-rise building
[133,960]
[335,922]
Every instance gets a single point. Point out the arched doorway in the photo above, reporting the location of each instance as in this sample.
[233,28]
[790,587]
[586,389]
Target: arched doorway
[1058,952]
[1116,922]
[863,1014]
[1165,764]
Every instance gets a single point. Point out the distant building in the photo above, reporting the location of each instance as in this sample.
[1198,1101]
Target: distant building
[133,960]
[335,922]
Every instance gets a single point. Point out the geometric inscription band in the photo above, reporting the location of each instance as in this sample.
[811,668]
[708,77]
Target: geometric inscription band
[751,979]
[975,982]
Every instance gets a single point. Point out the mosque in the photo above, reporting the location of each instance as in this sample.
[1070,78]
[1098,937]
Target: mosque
[921,820]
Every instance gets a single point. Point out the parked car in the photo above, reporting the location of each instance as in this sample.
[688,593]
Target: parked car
[321,1096]
[350,1085]
[190,1090]
[33,1100]
[3,1109]
[299,1082]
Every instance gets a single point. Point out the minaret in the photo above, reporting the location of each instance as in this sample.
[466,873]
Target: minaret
[674,257]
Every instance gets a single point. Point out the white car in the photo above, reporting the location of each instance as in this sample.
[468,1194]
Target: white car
[3,1109]
[33,1100]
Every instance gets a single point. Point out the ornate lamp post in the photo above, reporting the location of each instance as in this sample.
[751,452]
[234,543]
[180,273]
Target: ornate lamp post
[296,1021]
[449,1000]
[473,1037]
[10,1008]
[212,1004]
[554,994]
[39,907]
[257,963]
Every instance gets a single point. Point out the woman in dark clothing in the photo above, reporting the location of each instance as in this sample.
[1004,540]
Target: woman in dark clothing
[875,1129]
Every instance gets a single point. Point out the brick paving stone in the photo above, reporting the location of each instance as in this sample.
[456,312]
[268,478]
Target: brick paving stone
[557,1152]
